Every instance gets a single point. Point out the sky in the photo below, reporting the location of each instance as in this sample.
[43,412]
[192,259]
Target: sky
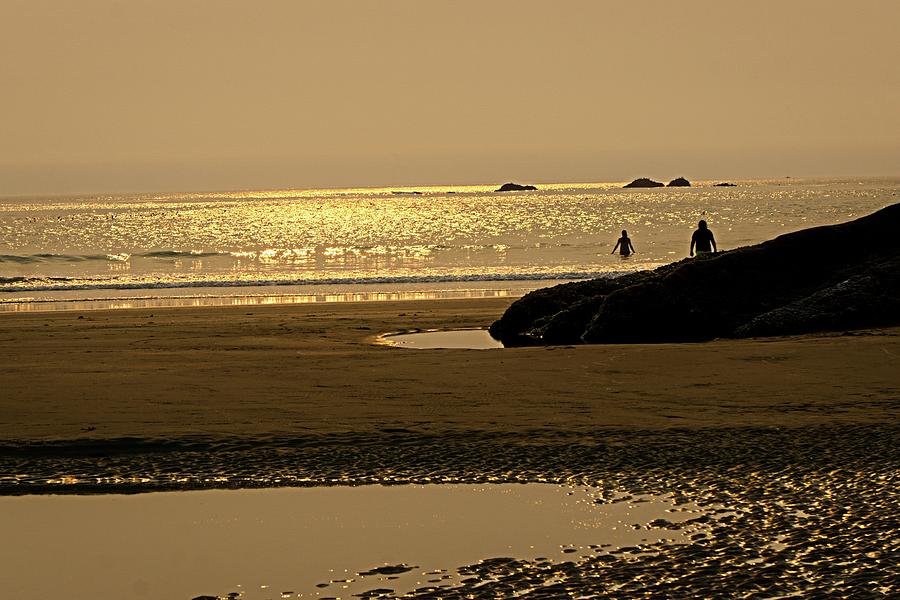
[131,95]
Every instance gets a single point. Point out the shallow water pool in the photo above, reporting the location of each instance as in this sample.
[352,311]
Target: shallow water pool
[309,542]
[475,339]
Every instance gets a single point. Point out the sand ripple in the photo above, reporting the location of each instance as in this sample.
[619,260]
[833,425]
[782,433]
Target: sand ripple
[810,511]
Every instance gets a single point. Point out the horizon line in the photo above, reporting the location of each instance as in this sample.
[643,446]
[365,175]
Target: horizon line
[405,187]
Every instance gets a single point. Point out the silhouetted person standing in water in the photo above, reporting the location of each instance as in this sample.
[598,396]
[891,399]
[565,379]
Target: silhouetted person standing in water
[624,245]
[703,239]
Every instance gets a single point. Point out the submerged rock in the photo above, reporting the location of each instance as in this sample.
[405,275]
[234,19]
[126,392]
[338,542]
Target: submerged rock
[515,187]
[812,280]
[643,182]
[680,182]
[725,184]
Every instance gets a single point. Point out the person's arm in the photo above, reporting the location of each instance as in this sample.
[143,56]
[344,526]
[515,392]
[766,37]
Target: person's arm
[693,241]
[616,246]
[712,238]
[633,251]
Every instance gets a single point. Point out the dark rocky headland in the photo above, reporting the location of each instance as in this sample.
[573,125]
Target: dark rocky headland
[679,182]
[835,277]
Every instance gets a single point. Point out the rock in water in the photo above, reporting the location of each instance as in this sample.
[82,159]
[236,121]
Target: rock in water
[643,182]
[680,182]
[811,280]
[725,184]
[515,187]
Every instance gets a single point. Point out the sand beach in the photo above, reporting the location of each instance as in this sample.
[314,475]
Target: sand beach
[796,436]
[315,370]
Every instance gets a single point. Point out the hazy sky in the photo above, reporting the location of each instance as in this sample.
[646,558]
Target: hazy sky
[132,95]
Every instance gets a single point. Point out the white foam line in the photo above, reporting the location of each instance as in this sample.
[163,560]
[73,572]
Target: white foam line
[113,285]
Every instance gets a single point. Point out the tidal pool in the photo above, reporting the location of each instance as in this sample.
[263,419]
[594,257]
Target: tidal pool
[314,542]
[475,339]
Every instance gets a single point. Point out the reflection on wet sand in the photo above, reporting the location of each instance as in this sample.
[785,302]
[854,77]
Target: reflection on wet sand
[260,299]
[364,541]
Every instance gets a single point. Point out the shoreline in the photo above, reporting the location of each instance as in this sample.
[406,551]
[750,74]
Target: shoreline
[248,300]
[127,298]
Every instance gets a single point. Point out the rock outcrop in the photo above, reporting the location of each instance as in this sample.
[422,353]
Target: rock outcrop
[816,279]
[679,182]
[644,182]
[515,187]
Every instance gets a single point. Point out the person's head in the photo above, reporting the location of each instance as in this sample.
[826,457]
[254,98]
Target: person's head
[701,224]
[624,233]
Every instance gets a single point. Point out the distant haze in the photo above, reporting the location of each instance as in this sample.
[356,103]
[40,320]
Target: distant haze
[104,95]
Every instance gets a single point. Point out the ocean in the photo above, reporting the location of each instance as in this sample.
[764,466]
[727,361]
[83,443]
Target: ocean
[387,243]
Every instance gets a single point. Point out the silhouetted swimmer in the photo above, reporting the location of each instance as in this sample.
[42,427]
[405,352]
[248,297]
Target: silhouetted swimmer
[703,239]
[624,245]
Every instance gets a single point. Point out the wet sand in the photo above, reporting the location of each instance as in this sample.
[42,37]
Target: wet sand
[312,369]
[798,437]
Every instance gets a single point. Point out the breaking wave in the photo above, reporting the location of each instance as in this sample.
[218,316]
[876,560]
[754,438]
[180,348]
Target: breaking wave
[61,258]
[47,284]
[29,259]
